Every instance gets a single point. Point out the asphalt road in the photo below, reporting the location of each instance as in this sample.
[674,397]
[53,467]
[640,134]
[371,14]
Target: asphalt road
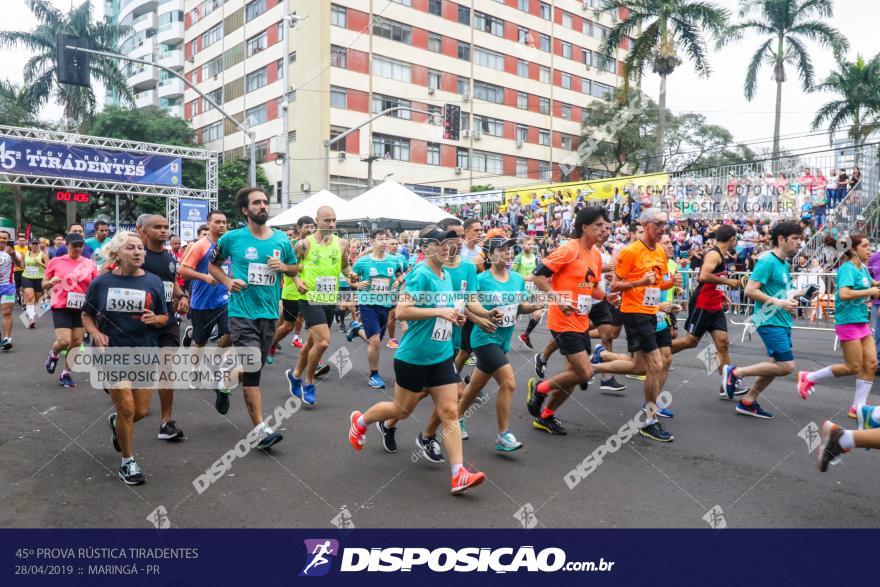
[57,468]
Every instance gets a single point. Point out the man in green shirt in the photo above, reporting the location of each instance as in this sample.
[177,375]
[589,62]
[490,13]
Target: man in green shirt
[771,288]
[257,254]
[524,264]
[291,320]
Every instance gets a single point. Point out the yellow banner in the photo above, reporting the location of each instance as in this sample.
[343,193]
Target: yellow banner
[595,189]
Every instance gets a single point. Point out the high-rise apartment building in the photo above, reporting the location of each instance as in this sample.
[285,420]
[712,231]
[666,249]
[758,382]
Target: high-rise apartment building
[522,72]
[155,33]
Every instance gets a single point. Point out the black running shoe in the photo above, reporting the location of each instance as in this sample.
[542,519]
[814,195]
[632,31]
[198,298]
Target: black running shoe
[169,431]
[51,363]
[611,385]
[113,440]
[430,448]
[221,402]
[830,448]
[188,336]
[550,425]
[540,365]
[322,369]
[130,473]
[534,400]
[388,442]
[271,439]
[656,432]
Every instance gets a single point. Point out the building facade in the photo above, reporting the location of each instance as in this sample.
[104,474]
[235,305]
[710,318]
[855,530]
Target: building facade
[155,33]
[522,72]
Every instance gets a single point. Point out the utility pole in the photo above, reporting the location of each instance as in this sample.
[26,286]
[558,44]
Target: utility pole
[369,161]
[290,19]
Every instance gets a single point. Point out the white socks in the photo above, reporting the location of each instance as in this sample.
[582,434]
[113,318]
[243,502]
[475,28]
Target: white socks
[847,440]
[361,422]
[823,373]
[31,311]
[863,388]
[456,469]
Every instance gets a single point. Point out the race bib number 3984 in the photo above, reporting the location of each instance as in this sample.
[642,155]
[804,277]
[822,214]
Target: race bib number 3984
[120,299]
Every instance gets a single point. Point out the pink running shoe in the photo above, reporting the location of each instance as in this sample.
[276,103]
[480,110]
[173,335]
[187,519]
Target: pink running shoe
[805,386]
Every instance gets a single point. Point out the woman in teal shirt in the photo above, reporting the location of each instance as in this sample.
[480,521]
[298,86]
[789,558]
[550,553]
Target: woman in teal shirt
[423,362]
[854,289]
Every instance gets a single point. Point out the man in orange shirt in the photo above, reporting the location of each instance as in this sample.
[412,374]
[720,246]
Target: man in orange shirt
[640,275]
[576,271]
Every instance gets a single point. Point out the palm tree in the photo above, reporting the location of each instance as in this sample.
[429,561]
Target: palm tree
[858,85]
[659,29]
[785,25]
[40,70]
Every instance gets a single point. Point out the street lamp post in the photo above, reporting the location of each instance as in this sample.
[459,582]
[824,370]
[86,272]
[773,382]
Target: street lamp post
[290,19]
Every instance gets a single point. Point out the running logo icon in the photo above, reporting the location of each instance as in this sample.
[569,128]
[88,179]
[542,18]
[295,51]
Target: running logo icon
[320,554]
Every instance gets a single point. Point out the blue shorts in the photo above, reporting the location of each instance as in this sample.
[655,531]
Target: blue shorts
[374,320]
[7,290]
[777,341]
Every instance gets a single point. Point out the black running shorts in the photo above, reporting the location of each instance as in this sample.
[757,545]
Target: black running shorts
[417,378]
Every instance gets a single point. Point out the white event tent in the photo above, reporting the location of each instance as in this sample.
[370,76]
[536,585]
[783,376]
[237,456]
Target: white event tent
[309,207]
[391,205]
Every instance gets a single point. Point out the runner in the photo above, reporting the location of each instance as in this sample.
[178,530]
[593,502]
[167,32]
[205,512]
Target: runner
[641,273]
[291,319]
[706,304]
[769,286]
[377,271]
[424,360]
[837,441]
[101,238]
[524,265]
[9,260]
[852,324]
[76,228]
[257,254]
[21,249]
[323,260]
[142,295]
[575,269]
[393,249]
[210,298]
[163,264]
[498,289]
[606,319]
[35,262]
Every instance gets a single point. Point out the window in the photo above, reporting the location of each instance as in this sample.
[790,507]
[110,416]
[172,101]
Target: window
[395,31]
[391,69]
[567,20]
[489,24]
[254,9]
[588,57]
[566,80]
[212,132]
[433,154]
[169,18]
[435,114]
[487,162]
[257,43]
[462,86]
[545,11]
[461,158]
[262,152]
[523,5]
[566,50]
[522,68]
[338,16]
[565,112]
[603,91]
[587,27]
[338,98]
[404,2]
[464,15]
[489,126]
[544,74]
[339,56]
[489,92]
[381,103]
[435,43]
[522,133]
[256,79]
[585,86]
[256,115]
[464,51]
[435,7]
[279,68]
[544,170]
[435,79]
[390,147]
[599,31]
[524,36]
[544,137]
[608,65]
[522,100]
[522,168]
[545,42]
[212,35]
[565,142]
[544,105]
[335,131]
[212,68]
[488,58]
[216,95]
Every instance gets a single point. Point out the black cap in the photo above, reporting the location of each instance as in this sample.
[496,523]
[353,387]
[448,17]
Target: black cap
[74,237]
[497,243]
[438,234]
[35,241]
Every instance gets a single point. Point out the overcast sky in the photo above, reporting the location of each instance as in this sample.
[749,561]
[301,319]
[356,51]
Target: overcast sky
[720,97]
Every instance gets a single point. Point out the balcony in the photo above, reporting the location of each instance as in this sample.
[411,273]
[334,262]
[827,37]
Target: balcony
[145,99]
[173,58]
[144,22]
[171,33]
[170,88]
[175,110]
[143,51]
[142,78]
[136,8]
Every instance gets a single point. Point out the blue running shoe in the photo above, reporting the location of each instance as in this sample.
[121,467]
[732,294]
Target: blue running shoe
[753,409]
[66,380]
[729,380]
[308,391]
[353,331]
[597,354]
[376,382]
[294,384]
[864,416]
[662,412]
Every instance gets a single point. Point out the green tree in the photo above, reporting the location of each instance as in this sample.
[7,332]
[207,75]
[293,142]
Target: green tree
[17,110]
[41,69]
[482,188]
[785,25]
[857,85]
[231,177]
[659,29]
[694,143]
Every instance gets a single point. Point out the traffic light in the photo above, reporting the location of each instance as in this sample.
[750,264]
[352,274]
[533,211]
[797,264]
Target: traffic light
[451,122]
[73,66]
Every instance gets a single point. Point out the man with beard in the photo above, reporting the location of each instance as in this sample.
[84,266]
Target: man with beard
[257,254]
